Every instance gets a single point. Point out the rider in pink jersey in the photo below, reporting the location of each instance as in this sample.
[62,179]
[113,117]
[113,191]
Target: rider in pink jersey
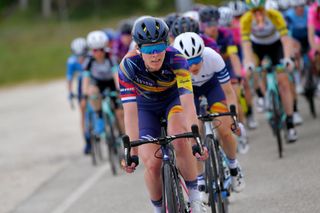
[314,28]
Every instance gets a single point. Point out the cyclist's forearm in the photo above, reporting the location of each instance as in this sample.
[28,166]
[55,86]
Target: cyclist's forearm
[189,110]
[131,122]
[287,49]
[116,80]
[69,86]
[311,37]
[236,64]
[247,53]
[230,94]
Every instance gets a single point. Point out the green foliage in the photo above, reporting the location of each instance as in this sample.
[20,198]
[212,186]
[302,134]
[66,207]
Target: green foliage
[38,51]
[210,2]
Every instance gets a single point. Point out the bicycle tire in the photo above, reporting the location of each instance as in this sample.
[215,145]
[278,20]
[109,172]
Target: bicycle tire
[111,144]
[277,122]
[310,90]
[212,170]
[94,157]
[170,198]
[224,192]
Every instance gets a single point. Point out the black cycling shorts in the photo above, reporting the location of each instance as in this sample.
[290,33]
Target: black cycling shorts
[102,85]
[274,51]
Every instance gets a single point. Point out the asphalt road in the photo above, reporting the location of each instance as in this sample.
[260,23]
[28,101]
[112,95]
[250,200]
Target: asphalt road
[42,169]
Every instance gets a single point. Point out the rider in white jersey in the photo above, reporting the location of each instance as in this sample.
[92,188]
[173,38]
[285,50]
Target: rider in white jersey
[210,78]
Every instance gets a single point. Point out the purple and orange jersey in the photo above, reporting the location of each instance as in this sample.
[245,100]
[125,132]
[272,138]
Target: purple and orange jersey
[209,42]
[171,80]
[119,50]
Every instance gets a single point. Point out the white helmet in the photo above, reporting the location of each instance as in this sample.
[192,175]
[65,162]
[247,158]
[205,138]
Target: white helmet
[272,4]
[296,3]
[79,46]
[189,44]
[97,39]
[238,7]
[284,4]
[226,16]
[192,14]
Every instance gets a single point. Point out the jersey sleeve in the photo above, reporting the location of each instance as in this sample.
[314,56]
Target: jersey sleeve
[70,70]
[278,21]
[232,47]
[181,70]
[219,66]
[245,26]
[127,89]
[311,15]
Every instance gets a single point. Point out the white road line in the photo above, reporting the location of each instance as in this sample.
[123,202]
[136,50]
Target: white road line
[67,203]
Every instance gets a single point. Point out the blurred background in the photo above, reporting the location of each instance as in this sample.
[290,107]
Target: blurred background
[48,26]
[42,168]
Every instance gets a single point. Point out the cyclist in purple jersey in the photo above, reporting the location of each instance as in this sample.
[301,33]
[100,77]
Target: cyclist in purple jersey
[155,83]
[209,17]
[188,24]
[122,43]
[228,22]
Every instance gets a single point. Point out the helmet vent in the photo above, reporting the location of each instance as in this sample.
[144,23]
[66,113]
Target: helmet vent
[181,45]
[199,50]
[193,41]
[186,53]
[140,36]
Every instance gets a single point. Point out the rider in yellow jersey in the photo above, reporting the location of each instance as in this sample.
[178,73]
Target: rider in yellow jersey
[264,33]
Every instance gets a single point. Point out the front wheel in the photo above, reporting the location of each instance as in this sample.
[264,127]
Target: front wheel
[214,178]
[277,122]
[111,143]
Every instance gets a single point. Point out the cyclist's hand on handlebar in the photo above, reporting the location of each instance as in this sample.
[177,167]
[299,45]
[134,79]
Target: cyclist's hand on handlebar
[289,64]
[250,67]
[70,96]
[236,130]
[134,162]
[198,155]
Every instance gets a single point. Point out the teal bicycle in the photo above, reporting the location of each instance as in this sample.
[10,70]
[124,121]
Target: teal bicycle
[274,109]
[111,134]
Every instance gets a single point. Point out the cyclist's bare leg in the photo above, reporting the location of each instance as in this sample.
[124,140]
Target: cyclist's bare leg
[187,163]
[229,143]
[247,91]
[95,100]
[237,91]
[285,93]
[82,113]
[152,171]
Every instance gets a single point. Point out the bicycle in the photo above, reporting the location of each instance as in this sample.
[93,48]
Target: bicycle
[274,109]
[111,134]
[172,194]
[217,174]
[96,150]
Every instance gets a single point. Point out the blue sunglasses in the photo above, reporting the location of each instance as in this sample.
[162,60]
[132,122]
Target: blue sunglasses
[195,60]
[153,49]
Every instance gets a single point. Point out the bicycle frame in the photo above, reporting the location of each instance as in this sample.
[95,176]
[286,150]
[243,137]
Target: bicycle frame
[272,87]
[168,158]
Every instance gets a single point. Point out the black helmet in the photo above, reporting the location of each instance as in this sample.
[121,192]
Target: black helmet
[184,24]
[126,27]
[209,14]
[170,18]
[147,30]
